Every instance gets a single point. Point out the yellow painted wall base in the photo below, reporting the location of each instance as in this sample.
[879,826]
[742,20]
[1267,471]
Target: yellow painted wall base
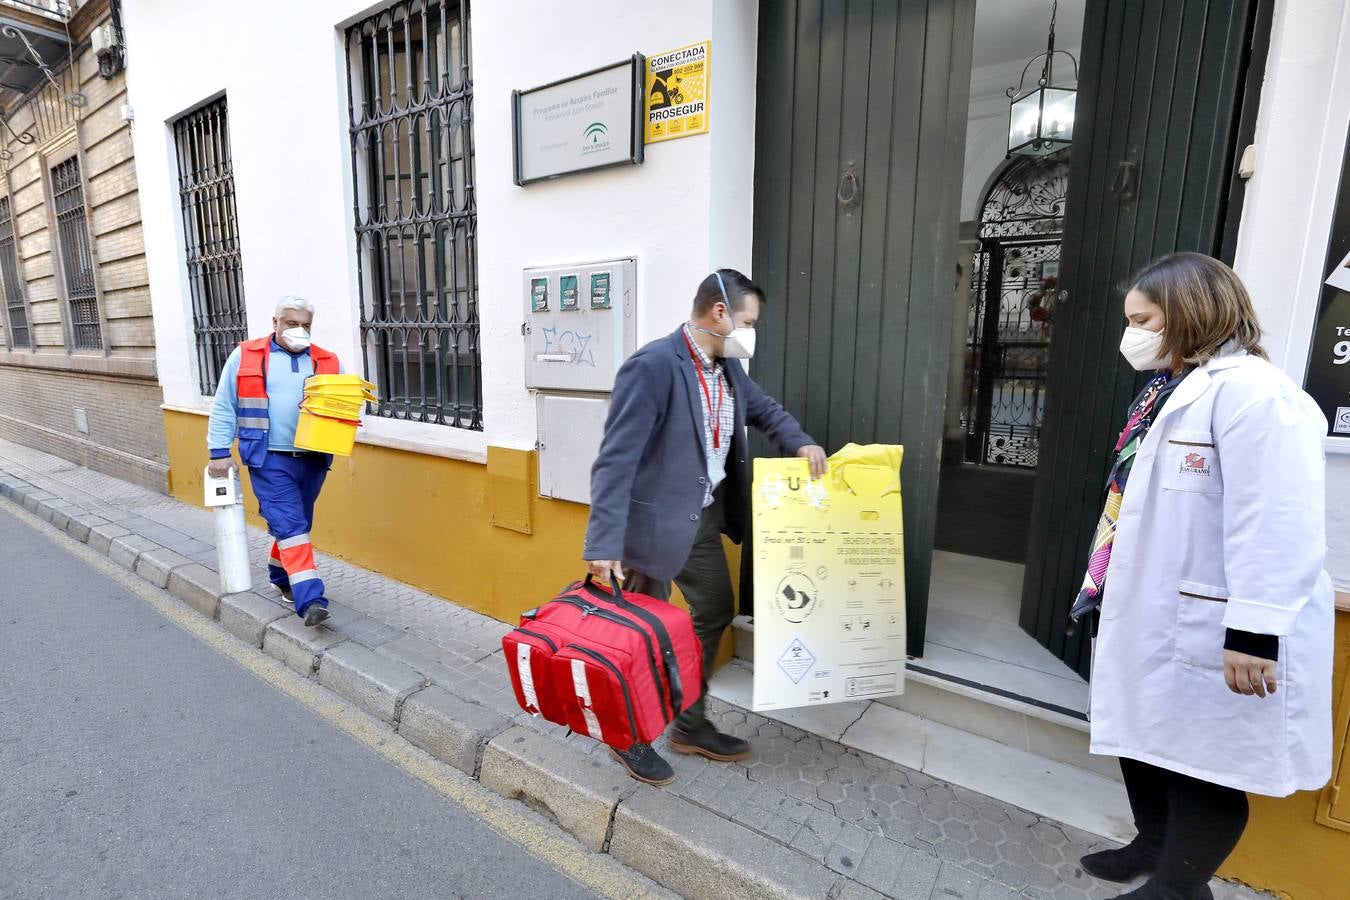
[1284,849]
[480,536]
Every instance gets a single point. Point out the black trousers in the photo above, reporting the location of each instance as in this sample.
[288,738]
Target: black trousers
[706,586]
[1190,826]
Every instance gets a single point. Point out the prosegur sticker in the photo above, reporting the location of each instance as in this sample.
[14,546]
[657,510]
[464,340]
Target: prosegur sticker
[796,660]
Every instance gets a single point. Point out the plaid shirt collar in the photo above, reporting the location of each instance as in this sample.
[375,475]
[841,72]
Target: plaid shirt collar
[702,358]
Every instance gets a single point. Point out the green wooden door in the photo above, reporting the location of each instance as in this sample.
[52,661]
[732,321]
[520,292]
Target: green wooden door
[860,138]
[1166,101]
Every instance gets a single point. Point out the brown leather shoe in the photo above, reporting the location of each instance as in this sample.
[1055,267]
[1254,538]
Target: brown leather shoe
[705,740]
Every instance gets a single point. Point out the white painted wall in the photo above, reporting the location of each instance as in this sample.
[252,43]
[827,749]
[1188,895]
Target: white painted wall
[1286,218]
[686,210]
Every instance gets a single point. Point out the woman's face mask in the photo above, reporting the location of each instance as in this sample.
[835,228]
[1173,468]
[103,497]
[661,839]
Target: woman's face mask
[1141,344]
[1142,348]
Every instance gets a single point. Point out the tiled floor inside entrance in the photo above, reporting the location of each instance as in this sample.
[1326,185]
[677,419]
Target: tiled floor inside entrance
[973,635]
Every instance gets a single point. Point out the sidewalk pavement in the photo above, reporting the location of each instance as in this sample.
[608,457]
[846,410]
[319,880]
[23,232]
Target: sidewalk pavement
[803,816]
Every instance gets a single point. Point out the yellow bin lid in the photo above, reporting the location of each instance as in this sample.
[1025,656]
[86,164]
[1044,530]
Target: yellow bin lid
[315,382]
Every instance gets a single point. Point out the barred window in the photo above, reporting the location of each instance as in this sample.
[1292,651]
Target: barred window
[77,264]
[16,302]
[211,237]
[411,111]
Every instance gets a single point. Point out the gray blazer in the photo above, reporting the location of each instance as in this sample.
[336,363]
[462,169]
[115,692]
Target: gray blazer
[651,475]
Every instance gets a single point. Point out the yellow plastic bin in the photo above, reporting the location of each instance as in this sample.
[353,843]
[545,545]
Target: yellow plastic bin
[322,383]
[347,387]
[323,434]
[346,393]
[339,407]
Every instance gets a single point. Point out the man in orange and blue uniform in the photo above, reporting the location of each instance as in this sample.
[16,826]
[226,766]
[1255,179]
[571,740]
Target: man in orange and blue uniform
[258,402]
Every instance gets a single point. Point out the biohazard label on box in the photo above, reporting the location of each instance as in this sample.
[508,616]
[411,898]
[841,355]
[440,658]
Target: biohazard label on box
[829,580]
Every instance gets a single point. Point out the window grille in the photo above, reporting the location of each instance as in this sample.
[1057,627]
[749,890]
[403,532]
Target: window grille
[77,264]
[211,237]
[411,112]
[16,302]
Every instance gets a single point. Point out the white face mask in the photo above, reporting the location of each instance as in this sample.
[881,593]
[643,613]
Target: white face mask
[296,339]
[1141,348]
[740,344]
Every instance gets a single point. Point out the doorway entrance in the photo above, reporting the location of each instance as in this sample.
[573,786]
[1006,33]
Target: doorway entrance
[861,219]
[989,459]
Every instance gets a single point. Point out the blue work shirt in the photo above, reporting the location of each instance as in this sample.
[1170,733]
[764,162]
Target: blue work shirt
[286,374]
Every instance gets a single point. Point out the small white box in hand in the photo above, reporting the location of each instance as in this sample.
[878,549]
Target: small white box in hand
[222,491]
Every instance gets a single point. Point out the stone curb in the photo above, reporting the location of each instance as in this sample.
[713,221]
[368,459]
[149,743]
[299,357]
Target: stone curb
[127,550]
[681,845]
[580,792]
[80,526]
[377,684]
[288,640]
[155,566]
[684,847]
[247,615]
[197,586]
[450,728]
[102,536]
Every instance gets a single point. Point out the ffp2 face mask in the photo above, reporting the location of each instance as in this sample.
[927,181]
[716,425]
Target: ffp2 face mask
[1141,348]
[297,339]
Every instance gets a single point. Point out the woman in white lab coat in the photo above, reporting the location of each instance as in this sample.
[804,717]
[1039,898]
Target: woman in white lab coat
[1212,665]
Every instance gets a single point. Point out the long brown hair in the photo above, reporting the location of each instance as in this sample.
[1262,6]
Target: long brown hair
[1206,306]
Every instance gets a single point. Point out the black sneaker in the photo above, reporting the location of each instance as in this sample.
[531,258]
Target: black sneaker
[315,615]
[645,764]
[285,593]
[705,740]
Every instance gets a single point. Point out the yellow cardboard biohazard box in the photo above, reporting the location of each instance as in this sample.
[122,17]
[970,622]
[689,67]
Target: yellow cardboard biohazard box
[829,579]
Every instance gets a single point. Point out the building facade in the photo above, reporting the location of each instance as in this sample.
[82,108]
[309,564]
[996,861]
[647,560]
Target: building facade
[77,350]
[364,156]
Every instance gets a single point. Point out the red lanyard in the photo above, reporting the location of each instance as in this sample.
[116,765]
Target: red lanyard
[715,415]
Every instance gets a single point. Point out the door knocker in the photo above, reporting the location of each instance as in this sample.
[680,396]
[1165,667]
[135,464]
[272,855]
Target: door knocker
[849,189]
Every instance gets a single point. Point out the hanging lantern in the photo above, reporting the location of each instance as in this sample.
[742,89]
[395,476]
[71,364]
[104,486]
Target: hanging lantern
[1040,120]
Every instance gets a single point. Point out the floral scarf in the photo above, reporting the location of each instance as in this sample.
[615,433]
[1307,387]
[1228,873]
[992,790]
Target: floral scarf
[1142,414]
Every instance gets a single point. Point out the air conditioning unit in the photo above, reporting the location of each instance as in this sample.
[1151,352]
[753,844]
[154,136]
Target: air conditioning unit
[103,41]
[107,46]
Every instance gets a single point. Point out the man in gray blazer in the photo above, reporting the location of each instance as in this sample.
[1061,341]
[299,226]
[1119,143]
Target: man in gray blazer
[673,476]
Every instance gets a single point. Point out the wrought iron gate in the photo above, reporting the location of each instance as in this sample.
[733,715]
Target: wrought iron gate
[1014,292]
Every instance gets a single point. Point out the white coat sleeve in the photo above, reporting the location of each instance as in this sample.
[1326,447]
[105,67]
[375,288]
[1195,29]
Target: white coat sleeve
[1274,525]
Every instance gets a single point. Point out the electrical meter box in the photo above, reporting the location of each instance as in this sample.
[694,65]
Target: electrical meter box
[579,324]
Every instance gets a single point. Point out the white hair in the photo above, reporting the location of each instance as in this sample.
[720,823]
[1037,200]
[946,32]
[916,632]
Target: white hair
[290,301]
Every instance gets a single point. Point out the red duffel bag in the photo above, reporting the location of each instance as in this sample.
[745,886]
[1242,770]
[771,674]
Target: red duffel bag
[613,665]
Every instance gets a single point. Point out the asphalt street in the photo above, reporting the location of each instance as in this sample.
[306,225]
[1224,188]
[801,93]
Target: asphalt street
[137,761]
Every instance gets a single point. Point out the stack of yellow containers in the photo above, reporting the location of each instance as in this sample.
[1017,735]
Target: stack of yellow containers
[330,413]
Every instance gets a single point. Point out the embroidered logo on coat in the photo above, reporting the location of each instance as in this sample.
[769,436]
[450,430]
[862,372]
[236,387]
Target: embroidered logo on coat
[1194,464]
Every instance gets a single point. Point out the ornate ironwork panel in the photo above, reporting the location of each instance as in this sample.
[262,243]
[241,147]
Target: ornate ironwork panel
[1014,292]
[411,109]
[215,266]
[1027,200]
[16,301]
[77,263]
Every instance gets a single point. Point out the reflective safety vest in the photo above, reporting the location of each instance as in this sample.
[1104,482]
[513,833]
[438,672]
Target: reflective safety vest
[250,409]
